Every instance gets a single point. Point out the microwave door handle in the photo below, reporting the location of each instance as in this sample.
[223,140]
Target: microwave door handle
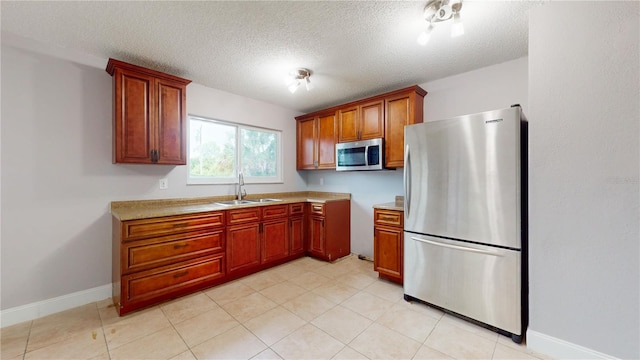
[366,155]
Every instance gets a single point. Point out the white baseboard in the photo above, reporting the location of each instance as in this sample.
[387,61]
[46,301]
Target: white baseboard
[38,309]
[560,349]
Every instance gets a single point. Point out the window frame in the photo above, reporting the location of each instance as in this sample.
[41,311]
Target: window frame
[206,180]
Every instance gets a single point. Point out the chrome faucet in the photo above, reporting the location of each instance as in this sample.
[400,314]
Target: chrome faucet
[241,191]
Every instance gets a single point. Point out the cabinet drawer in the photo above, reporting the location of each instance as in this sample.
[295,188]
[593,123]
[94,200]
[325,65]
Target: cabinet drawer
[296,209]
[140,255]
[316,208]
[388,217]
[139,229]
[274,211]
[239,216]
[162,283]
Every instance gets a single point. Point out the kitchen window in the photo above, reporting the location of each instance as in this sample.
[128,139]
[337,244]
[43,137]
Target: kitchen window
[218,150]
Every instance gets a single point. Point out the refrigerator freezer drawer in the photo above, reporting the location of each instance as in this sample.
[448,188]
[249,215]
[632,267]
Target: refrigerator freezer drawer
[477,281]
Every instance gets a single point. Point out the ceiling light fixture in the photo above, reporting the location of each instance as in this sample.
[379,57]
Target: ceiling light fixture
[437,11]
[297,77]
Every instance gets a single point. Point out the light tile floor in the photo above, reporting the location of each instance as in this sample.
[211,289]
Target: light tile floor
[305,309]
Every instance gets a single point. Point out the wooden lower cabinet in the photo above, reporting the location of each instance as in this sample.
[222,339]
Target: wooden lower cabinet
[261,237]
[275,240]
[330,229]
[162,258]
[243,247]
[297,228]
[150,286]
[388,244]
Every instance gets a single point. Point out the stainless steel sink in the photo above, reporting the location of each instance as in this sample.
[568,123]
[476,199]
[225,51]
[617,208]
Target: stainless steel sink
[234,202]
[265,200]
[245,201]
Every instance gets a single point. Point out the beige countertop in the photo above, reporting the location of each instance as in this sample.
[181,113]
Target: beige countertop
[397,205]
[144,209]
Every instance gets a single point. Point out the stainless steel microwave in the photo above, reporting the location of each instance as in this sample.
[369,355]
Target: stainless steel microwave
[360,155]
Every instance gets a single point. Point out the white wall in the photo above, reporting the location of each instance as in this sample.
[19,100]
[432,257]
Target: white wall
[57,176]
[584,91]
[493,87]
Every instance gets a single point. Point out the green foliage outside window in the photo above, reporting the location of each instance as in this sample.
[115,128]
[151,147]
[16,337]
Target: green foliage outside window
[216,148]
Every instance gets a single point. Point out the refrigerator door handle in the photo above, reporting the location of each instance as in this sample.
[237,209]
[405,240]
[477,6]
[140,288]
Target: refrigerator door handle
[457,247]
[407,181]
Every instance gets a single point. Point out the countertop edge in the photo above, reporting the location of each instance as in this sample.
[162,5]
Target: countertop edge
[146,209]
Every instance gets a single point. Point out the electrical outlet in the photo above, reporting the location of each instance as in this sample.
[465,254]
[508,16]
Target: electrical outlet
[321,181]
[164,184]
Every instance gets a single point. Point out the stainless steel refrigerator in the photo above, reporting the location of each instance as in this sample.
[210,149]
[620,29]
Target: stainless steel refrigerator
[465,217]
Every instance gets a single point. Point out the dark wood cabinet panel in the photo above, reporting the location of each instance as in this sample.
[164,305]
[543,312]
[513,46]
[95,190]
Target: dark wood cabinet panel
[149,115]
[241,216]
[402,109]
[154,227]
[306,144]
[316,142]
[316,236]
[329,229]
[348,124]
[327,141]
[296,235]
[172,125]
[243,247]
[160,258]
[275,240]
[146,287]
[388,244]
[371,120]
[146,254]
[361,122]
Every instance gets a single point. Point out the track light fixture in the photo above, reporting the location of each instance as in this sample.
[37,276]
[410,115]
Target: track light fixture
[437,11]
[297,77]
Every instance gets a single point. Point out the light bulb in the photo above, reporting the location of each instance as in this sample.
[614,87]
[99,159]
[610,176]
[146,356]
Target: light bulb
[457,28]
[424,37]
[308,83]
[294,86]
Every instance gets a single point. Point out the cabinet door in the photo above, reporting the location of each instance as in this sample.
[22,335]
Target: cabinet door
[371,120]
[171,125]
[275,240]
[398,110]
[134,113]
[403,109]
[327,142]
[243,247]
[306,144]
[316,235]
[388,252]
[347,124]
[296,235]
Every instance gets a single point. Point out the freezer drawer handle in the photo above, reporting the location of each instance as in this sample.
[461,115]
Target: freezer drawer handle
[457,247]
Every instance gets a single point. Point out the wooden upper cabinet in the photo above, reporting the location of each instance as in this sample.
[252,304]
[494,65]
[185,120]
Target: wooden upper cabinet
[150,118]
[172,122]
[316,142]
[403,108]
[347,124]
[306,144]
[382,116]
[326,141]
[361,122]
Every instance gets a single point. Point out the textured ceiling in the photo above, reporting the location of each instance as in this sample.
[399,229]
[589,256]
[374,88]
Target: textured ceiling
[353,48]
